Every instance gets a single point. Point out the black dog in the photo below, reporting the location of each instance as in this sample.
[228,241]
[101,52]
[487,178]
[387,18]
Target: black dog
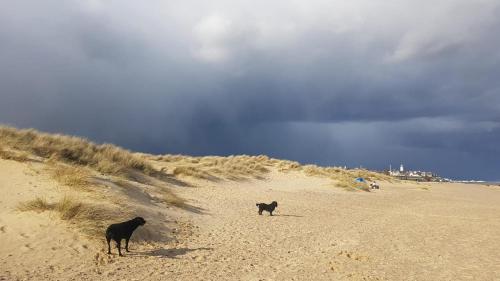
[267,207]
[119,231]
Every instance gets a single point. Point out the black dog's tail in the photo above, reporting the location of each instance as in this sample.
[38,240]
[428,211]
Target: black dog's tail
[257,204]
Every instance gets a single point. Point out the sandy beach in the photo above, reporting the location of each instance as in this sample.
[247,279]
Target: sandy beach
[404,231]
[372,126]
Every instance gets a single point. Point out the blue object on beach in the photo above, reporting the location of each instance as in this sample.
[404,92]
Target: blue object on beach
[360,179]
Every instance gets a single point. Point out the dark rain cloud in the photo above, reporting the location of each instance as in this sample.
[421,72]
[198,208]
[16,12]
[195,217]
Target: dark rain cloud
[329,82]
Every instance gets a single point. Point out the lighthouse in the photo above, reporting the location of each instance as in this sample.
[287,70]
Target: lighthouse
[401,168]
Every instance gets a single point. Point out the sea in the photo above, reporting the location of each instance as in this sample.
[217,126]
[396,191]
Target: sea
[480,182]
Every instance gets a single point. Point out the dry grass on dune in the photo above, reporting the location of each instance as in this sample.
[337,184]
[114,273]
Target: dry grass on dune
[236,167]
[370,175]
[90,218]
[190,171]
[286,166]
[340,173]
[20,156]
[243,166]
[105,158]
[37,205]
[72,162]
[351,185]
[68,208]
[345,178]
[108,159]
[215,167]
[69,175]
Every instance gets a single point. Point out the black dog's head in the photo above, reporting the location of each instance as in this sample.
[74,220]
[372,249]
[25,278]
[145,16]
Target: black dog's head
[139,221]
[274,203]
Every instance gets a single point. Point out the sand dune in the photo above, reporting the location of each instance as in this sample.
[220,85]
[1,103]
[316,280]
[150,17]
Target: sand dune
[203,223]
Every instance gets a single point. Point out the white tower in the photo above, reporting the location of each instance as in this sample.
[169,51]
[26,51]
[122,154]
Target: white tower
[401,168]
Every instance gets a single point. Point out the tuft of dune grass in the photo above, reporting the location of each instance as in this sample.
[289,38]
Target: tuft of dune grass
[90,218]
[190,171]
[286,166]
[68,208]
[36,205]
[19,156]
[68,175]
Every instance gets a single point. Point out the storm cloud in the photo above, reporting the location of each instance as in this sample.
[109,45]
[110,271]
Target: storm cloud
[353,83]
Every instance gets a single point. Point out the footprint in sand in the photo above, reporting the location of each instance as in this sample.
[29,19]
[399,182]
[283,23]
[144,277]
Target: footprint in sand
[101,259]
[3,229]
[24,235]
[343,266]
[353,256]
[27,247]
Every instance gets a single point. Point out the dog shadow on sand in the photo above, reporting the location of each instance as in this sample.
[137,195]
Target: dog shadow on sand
[287,215]
[168,253]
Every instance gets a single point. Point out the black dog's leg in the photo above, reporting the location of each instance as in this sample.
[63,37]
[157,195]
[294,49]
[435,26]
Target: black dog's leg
[108,239]
[126,244]
[271,213]
[118,245]
[260,211]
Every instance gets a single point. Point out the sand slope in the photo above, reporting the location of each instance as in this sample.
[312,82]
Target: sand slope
[34,246]
[401,232]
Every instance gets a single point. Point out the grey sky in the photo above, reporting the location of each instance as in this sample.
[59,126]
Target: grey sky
[330,82]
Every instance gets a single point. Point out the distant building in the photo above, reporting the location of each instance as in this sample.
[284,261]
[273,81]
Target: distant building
[412,175]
